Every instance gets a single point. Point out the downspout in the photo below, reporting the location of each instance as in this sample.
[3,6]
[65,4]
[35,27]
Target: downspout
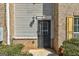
[8,23]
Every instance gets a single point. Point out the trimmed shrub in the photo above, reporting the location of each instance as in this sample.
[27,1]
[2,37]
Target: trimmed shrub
[71,47]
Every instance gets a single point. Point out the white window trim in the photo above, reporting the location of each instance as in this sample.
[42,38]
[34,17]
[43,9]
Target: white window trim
[76,32]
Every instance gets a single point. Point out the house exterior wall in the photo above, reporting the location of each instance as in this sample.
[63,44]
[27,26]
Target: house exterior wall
[24,29]
[25,14]
[55,18]
[21,17]
[65,10]
[25,25]
[59,14]
[11,7]
[3,21]
[46,10]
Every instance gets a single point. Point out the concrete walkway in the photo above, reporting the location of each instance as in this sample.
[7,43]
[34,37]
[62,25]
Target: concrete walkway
[43,52]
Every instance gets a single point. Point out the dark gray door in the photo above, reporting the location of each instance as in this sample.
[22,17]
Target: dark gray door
[44,34]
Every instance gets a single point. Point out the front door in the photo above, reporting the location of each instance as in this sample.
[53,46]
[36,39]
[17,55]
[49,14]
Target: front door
[44,34]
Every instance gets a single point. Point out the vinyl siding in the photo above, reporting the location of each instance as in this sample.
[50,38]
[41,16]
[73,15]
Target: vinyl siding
[24,14]
[24,17]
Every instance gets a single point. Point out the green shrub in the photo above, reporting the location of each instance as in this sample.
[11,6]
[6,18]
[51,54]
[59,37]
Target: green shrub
[19,46]
[27,53]
[71,47]
[13,50]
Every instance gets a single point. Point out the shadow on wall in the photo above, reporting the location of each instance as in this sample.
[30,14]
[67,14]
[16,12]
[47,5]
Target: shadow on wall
[31,23]
[47,9]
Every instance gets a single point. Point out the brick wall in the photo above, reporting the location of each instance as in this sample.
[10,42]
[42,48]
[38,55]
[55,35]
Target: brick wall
[65,10]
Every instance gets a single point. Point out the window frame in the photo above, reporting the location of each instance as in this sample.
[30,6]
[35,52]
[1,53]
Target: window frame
[76,33]
[76,24]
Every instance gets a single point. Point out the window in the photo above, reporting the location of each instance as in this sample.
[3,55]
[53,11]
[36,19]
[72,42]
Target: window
[76,24]
[76,27]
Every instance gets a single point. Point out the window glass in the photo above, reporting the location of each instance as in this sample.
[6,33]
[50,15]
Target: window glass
[76,27]
[75,20]
[76,24]
[78,21]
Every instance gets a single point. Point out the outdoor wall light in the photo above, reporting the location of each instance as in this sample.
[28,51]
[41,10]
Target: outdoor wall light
[41,17]
[38,17]
[34,17]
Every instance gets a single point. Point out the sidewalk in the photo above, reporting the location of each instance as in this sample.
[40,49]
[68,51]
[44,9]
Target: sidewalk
[43,52]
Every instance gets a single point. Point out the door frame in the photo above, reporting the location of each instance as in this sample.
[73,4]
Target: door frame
[50,33]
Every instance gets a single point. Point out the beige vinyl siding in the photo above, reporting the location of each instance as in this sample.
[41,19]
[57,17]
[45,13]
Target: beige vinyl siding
[24,14]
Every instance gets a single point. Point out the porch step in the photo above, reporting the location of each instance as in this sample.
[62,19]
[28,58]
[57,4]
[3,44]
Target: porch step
[43,52]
